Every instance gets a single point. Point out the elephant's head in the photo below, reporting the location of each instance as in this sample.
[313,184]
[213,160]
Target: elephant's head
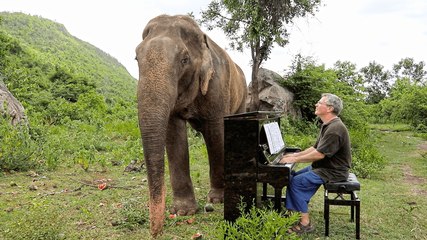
[175,65]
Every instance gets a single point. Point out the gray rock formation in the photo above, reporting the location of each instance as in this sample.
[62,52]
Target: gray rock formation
[273,97]
[11,107]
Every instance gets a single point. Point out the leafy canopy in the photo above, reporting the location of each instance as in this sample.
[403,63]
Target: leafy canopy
[256,24]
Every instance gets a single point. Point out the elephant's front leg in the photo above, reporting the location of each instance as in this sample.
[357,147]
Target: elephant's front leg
[184,202]
[213,133]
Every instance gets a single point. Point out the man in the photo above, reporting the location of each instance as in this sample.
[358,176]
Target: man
[330,157]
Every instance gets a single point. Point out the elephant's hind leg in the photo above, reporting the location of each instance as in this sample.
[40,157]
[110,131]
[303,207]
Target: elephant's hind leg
[214,138]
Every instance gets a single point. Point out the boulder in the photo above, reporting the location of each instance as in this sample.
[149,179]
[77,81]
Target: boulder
[273,97]
[11,107]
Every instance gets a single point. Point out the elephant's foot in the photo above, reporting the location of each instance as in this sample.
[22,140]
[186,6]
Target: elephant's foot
[184,207]
[216,195]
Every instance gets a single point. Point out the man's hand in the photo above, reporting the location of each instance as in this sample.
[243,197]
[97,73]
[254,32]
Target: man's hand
[288,158]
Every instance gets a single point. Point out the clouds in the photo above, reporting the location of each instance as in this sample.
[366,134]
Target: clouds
[359,31]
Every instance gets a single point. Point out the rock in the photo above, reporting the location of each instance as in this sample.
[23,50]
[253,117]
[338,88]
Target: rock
[10,106]
[133,167]
[273,97]
[197,236]
[209,207]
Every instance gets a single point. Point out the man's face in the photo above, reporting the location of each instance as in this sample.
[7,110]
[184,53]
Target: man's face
[322,108]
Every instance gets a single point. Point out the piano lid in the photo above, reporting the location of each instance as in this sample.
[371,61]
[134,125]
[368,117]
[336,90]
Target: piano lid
[256,115]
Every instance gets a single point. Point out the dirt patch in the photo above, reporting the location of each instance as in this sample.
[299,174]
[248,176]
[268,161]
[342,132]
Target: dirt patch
[423,147]
[413,180]
[410,178]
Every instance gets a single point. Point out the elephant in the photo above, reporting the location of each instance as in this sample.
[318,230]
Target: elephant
[184,77]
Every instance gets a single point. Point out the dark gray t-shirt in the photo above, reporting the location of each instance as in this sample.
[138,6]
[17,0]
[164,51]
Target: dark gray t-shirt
[334,143]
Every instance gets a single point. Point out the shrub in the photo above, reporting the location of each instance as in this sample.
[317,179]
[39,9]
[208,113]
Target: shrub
[17,148]
[367,160]
[298,133]
[134,215]
[258,223]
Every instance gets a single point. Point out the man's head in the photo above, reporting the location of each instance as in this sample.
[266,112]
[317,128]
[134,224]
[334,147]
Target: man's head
[329,104]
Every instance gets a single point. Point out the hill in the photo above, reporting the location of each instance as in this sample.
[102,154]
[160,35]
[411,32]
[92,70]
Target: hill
[80,102]
[41,62]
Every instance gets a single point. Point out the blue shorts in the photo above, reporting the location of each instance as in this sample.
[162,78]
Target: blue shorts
[303,185]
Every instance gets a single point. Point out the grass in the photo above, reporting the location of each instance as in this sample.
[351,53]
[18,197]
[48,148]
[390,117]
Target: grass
[68,204]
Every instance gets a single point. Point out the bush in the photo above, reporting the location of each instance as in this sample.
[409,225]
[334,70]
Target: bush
[298,133]
[17,148]
[367,160]
[134,215]
[258,223]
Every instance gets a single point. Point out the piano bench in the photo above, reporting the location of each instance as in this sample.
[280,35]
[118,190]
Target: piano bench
[343,189]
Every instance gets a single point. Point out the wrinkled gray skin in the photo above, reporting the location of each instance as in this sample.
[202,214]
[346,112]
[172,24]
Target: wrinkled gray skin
[183,77]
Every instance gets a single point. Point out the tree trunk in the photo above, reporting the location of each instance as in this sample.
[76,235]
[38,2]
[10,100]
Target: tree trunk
[254,106]
[11,107]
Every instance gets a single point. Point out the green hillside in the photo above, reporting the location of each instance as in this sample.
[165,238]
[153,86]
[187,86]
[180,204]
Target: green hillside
[80,102]
[39,55]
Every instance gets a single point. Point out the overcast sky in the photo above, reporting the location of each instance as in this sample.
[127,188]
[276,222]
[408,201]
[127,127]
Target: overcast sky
[359,31]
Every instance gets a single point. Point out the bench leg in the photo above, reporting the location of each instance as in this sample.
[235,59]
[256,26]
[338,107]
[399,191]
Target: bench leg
[358,219]
[352,208]
[326,213]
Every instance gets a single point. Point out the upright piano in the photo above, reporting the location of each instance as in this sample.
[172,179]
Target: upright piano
[253,147]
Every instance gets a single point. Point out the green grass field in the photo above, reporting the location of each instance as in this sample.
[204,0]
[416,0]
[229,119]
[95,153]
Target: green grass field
[68,203]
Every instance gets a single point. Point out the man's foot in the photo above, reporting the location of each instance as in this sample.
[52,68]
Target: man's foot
[300,229]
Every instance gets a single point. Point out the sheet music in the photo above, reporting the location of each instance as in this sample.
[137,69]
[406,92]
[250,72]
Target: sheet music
[274,137]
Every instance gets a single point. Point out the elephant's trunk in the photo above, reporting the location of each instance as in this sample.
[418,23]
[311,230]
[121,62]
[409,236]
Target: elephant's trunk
[153,132]
[156,99]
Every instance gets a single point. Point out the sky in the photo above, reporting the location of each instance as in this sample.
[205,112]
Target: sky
[359,31]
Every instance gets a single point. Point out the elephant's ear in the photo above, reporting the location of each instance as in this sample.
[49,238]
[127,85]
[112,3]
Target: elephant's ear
[207,70]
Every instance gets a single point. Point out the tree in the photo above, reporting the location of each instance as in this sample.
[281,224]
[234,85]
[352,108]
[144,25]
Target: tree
[256,24]
[346,72]
[308,80]
[376,82]
[407,68]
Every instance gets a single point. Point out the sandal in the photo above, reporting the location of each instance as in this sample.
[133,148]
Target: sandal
[301,229]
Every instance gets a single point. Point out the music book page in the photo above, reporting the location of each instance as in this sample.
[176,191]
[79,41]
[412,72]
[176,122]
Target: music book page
[274,137]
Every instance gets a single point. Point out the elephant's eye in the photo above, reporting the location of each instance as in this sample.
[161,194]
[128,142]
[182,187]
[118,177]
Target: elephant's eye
[185,60]
[136,58]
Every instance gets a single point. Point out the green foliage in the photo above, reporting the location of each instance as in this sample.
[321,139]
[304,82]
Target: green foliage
[17,148]
[308,81]
[413,106]
[134,215]
[376,81]
[407,103]
[73,94]
[258,223]
[367,161]
[68,86]
[298,133]
[42,63]
[414,72]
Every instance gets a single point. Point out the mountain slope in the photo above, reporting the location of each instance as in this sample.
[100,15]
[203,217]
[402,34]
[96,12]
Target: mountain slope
[41,63]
